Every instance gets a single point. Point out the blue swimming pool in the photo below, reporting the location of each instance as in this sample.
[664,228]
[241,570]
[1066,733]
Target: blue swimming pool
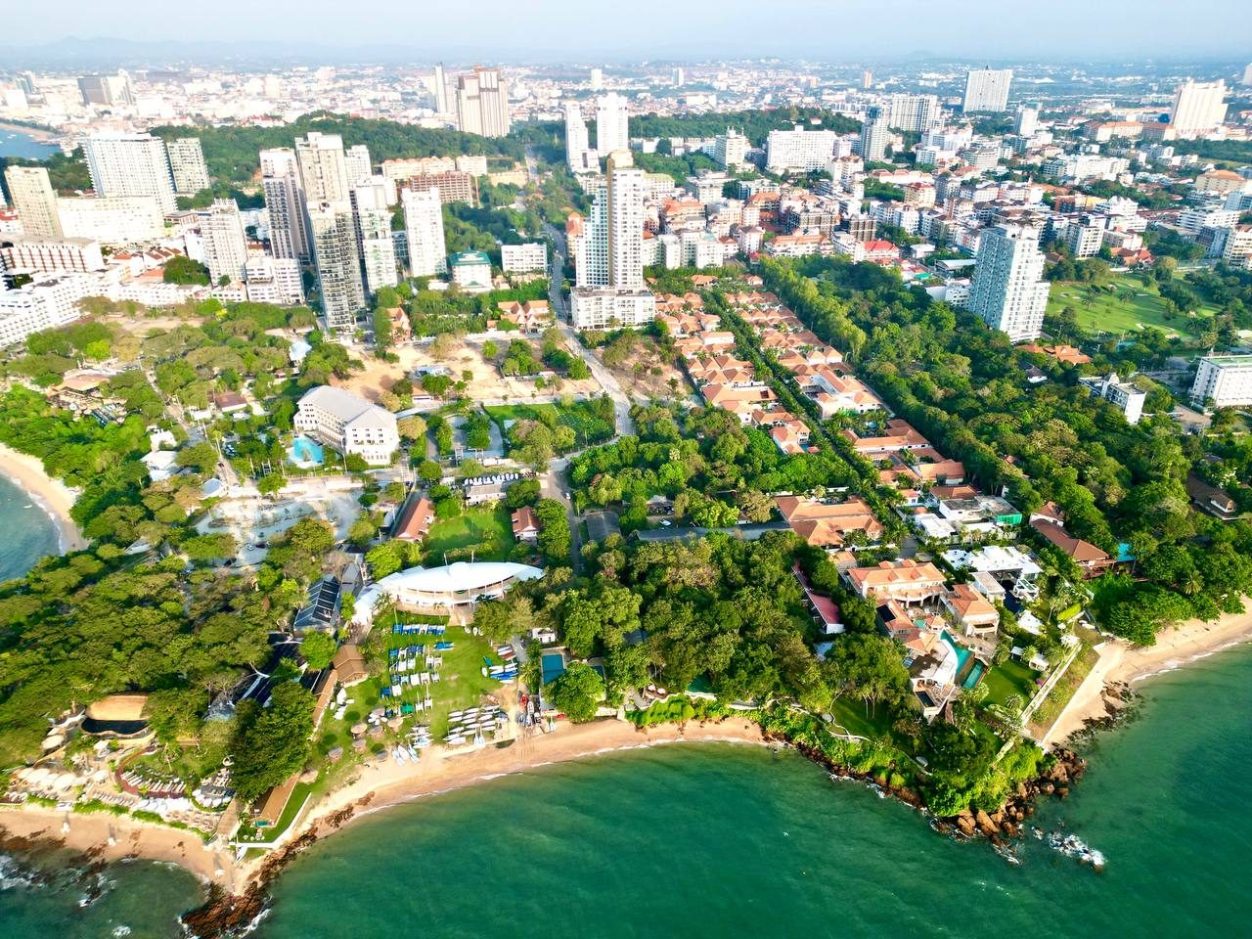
[553,666]
[962,654]
[305,451]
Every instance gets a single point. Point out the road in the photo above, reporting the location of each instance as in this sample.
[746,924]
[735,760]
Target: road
[625,424]
[553,485]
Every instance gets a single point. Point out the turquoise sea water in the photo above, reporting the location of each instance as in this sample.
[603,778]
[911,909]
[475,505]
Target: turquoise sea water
[14,143]
[719,840]
[28,532]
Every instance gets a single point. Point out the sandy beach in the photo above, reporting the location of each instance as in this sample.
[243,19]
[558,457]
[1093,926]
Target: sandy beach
[375,787]
[52,495]
[1121,663]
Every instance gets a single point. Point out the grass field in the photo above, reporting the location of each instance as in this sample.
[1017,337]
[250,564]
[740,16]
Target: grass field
[1125,305]
[1055,703]
[486,531]
[1010,678]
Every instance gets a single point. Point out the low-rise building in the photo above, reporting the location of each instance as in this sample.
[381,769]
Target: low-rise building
[1121,394]
[905,581]
[524,258]
[349,424]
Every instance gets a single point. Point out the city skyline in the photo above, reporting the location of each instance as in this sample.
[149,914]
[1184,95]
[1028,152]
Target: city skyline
[1111,30]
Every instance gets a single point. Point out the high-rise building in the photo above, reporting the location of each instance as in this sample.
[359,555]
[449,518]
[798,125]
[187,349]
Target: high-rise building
[482,103]
[913,113]
[187,166]
[284,200]
[49,301]
[323,169]
[1008,290]
[35,201]
[112,220]
[1027,121]
[612,124]
[130,165]
[874,136]
[1247,76]
[596,79]
[225,244]
[578,153]
[274,280]
[680,77]
[609,267]
[730,150]
[1199,107]
[867,79]
[1223,381]
[357,162]
[338,264]
[799,150]
[106,90]
[441,91]
[987,89]
[374,241]
[423,225]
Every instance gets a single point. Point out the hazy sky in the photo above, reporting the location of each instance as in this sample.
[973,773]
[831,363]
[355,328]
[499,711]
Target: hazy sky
[580,30]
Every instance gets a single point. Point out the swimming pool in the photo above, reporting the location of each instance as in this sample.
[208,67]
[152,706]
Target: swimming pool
[553,666]
[962,654]
[306,452]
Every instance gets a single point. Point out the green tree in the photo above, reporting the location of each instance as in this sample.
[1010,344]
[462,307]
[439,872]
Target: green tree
[271,743]
[578,692]
[318,648]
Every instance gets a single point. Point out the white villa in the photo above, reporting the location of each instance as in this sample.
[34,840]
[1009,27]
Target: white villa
[349,424]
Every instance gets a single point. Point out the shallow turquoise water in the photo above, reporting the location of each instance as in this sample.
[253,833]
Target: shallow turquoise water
[28,531]
[724,840]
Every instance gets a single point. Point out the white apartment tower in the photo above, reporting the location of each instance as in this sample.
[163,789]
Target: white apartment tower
[612,124]
[284,199]
[913,113]
[609,268]
[187,166]
[357,162]
[323,169]
[374,241]
[338,264]
[799,150]
[35,201]
[874,136]
[225,244]
[441,91]
[1008,290]
[130,165]
[482,103]
[987,89]
[1027,121]
[423,225]
[578,153]
[1223,381]
[1199,107]
[730,150]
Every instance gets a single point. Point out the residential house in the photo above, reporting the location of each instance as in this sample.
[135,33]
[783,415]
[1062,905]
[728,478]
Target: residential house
[827,525]
[970,610]
[905,581]
[415,518]
[526,525]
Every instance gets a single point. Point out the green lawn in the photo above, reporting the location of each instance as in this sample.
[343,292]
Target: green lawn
[852,717]
[1125,305]
[1055,703]
[588,427]
[1011,678]
[485,531]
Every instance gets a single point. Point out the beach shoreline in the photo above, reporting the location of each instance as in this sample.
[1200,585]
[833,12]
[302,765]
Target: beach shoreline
[53,496]
[1122,664]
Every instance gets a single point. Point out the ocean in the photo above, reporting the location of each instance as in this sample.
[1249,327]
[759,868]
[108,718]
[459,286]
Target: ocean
[29,533]
[718,839]
[15,143]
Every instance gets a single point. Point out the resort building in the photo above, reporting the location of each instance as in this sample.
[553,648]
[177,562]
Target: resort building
[1223,381]
[828,525]
[425,589]
[904,581]
[349,424]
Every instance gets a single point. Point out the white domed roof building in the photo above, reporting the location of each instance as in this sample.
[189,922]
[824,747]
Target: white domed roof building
[461,584]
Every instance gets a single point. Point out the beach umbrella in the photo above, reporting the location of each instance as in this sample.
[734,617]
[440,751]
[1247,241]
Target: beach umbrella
[358,729]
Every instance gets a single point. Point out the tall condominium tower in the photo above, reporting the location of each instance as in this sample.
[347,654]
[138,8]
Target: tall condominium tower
[914,113]
[323,169]
[423,226]
[441,91]
[35,201]
[284,199]
[1198,107]
[225,244]
[1027,121]
[874,136]
[987,89]
[373,231]
[609,267]
[578,153]
[612,124]
[187,166]
[1008,290]
[357,162]
[338,264]
[482,103]
[130,165]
